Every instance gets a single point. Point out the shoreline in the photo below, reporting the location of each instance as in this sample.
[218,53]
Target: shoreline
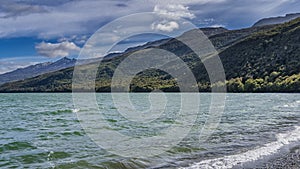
[288,157]
[290,160]
[1,92]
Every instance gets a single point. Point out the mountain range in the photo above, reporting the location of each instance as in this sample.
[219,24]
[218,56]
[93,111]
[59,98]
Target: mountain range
[262,58]
[35,70]
[277,20]
[47,67]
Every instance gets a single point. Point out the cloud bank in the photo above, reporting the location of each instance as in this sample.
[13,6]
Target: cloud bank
[166,26]
[62,49]
[170,14]
[61,18]
[173,11]
[13,9]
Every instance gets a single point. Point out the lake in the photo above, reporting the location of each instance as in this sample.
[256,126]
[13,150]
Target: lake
[41,130]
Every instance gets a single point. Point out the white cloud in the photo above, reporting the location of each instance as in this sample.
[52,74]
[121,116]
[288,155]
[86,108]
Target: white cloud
[170,14]
[80,17]
[57,49]
[79,40]
[217,26]
[188,2]
[13,9]
[173,11]
[72,18]
[209,20]
[166,26]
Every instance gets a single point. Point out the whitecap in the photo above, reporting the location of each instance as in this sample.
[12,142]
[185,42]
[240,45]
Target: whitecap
[295,104]
[251,155]
[75,110]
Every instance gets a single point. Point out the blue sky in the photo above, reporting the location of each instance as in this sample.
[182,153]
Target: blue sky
[33,31]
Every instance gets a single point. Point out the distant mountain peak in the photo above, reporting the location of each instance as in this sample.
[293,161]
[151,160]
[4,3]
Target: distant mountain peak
[37,69]
[64,59]
[277,20]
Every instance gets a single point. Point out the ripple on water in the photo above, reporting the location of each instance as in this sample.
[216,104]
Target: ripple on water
[74,133]
[16,146]
[181,149]
[4,163]
[40,157]
[112,120]
[49,135]
[123,164]
[32,158]
[19,129]
[57,112]
[58,155]
[77,164]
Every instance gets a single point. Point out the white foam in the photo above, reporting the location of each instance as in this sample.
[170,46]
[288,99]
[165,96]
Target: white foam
[251,155]
[295,104]
[75,110]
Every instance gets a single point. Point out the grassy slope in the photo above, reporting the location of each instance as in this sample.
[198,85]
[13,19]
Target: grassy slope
[263,59]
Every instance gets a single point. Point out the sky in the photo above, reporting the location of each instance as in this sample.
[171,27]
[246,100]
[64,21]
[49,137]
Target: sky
[34,31]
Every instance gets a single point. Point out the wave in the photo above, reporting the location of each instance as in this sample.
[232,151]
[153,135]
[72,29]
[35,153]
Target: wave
[295,104]
[251,155]
[16,146]
[57,112]
[75,110]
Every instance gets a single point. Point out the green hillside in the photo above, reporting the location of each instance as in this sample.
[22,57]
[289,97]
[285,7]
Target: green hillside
[259,59]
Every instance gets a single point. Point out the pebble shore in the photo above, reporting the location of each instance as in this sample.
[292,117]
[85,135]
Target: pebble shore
[289,161]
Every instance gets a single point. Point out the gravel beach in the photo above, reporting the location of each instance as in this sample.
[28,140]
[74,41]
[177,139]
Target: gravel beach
[288,161]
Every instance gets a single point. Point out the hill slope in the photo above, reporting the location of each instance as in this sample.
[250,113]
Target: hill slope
[260,59]
[35,70]
[276,20]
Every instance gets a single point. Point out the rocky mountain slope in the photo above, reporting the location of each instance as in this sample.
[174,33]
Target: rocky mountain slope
[258,59]
[276,20]
[35,70]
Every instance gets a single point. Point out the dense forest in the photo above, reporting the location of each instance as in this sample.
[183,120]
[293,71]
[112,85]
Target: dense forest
[257,59]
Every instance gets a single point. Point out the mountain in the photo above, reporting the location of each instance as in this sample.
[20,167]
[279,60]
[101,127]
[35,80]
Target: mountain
[266,61]
[35,70]
[257,59]
[276,20]
[42,68]
[207,31]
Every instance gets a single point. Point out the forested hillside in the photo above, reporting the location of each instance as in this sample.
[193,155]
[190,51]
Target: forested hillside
[258,59]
